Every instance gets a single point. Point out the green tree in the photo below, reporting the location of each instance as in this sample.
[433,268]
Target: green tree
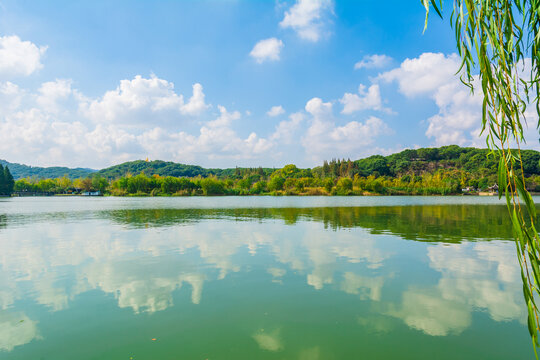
[344,186]
[289,171]
[212,186]
[259,187]
[3,185]
[276,183]
[86,184]
[100,184]
[8,182]
[328,184]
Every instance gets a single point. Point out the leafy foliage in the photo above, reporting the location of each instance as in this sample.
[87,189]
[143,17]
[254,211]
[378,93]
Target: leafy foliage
[501,39]
[6,181]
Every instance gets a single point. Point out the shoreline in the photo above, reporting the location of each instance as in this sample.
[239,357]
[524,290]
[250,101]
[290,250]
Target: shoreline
[249,195]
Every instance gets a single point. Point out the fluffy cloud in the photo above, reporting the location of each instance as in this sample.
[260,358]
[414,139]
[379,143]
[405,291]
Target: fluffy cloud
[286,129]
[307,18]
[275,111]
[267,50]
[369,99]
[11,97]
[140,98]
[325,139]
[58,125]
[216,140]
[424,74]
[434,75]
[54,96]
[373,61]
[145,117]
[19,58]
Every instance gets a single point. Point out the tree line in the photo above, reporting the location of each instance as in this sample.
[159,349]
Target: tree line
[426,171]
[288,180]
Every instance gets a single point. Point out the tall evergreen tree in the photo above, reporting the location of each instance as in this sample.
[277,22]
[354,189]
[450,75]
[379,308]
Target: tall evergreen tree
[3,186]
[8,181]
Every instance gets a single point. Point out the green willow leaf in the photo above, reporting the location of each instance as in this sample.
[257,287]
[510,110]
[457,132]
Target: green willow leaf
[495,38]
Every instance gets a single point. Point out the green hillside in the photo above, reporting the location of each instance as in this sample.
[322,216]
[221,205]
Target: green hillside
[410,162]
[163,168]
[168,168]
[427,171]
[20,171]
[426,160]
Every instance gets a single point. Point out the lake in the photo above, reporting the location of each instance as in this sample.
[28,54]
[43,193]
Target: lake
[259,278]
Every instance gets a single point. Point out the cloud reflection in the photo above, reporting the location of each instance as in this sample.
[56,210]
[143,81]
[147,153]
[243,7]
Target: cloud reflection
[16,329]
[474,276]
[143,269]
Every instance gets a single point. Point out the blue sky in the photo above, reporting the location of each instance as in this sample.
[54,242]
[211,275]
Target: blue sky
[226,83]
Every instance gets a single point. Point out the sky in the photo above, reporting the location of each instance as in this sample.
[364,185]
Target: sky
[228,83]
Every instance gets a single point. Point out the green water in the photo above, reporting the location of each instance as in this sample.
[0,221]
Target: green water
[259,278]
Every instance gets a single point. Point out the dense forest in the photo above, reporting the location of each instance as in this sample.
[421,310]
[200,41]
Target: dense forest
[167,168]
[426,171]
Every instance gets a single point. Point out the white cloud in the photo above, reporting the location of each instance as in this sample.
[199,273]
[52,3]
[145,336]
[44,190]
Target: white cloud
[225,118]
[11,97]
[138,99]
[57,125]
[307,18]
[267,49]
[216,140]
[275,111]
[53,92]
[424,74]
[196,104]
[369,99]
[19,57]
[460,114]
[325,139]
[434,75]
[286,129]
[373,61]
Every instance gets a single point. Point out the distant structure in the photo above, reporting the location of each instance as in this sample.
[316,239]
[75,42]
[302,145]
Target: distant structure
[147,159]
[92,193]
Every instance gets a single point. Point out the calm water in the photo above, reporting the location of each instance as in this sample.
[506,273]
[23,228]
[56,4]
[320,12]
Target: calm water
[259,278]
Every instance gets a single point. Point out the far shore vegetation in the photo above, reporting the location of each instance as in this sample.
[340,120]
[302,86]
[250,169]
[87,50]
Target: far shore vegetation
[447,170]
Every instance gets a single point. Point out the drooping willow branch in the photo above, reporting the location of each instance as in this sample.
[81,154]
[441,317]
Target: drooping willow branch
[500,40]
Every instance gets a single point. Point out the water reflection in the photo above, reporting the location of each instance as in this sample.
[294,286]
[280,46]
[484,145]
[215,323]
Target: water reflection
[145,258]
[448,223]
[473,277]
[16,329]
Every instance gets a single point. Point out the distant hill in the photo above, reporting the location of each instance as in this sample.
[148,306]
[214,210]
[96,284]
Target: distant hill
[406,162]
[163,168]
[168,168]
[156,167]
[20,171]
[426,160]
